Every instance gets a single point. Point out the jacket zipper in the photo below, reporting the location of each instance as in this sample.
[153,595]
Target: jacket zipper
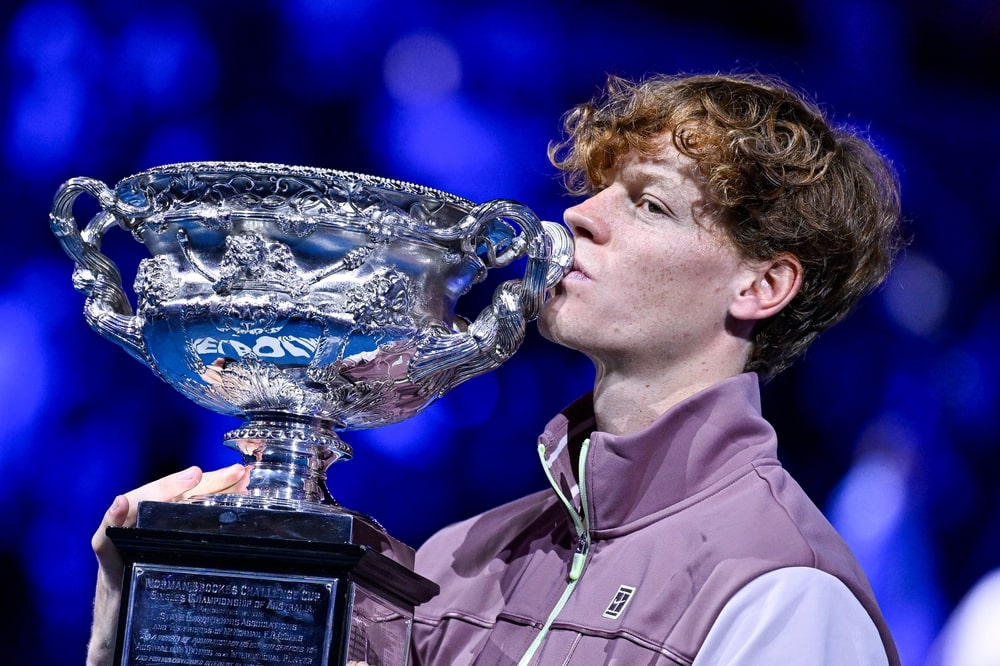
[582,526]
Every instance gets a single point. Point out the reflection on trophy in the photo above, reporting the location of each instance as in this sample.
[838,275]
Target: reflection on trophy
[304,302]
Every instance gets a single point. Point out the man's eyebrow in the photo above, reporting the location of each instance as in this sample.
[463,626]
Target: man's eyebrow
[646,174]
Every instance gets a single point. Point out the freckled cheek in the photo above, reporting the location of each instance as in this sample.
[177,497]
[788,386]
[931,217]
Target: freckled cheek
[709,267]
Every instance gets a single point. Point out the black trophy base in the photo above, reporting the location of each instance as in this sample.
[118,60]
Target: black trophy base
[214,593]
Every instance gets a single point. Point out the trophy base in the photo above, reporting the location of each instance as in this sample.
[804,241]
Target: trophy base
[235,586]
[339,527]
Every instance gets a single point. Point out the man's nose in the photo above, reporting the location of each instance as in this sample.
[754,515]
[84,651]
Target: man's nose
[589,218]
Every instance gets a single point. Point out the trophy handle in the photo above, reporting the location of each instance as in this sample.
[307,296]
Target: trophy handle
[499,329]
[107,308]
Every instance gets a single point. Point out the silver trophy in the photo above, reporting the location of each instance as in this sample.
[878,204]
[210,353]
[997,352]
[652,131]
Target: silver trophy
[305,302]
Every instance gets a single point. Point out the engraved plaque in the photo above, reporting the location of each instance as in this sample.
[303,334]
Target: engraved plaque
[226,618]
[228,597]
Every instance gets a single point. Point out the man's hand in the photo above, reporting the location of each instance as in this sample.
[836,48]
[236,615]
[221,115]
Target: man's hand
[188,483]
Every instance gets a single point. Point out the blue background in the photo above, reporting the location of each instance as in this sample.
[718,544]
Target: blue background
[890,422]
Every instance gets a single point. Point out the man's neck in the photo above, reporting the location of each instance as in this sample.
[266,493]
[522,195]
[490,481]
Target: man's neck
[625,403]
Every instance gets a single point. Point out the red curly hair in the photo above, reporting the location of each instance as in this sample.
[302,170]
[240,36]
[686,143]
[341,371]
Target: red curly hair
[779,177]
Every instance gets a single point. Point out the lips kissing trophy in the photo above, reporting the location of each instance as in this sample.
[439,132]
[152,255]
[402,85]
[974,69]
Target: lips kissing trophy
[305,302]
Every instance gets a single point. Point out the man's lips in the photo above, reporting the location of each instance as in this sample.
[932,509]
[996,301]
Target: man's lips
[577,272]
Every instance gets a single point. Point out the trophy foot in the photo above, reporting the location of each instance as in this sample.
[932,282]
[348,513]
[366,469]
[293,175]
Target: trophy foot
[288,456]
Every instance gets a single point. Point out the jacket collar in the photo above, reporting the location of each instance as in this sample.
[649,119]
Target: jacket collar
[693,447]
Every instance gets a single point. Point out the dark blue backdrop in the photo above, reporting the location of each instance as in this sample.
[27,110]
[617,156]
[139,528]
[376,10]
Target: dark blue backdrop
[890,422]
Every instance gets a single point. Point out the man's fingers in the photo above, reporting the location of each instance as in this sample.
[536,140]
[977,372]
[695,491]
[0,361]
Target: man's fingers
[167,489]
[116,516]
[118,513]
[181,485]
[122,512]
[232,479]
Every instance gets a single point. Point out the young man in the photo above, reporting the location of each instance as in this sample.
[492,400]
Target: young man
[726,224]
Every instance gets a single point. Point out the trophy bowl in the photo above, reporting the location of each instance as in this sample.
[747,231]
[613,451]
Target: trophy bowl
[305,301]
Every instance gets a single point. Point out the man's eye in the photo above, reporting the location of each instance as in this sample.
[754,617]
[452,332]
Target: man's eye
[654,207]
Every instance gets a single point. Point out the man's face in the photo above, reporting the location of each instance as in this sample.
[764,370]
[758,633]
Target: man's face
[653,278]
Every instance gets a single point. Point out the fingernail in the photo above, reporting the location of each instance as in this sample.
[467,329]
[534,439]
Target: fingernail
[116,503]
[187,474]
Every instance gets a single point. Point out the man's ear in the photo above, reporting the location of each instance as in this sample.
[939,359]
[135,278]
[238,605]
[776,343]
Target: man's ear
[769,286]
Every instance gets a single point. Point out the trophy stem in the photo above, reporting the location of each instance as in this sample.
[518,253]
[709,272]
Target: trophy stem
[288,456]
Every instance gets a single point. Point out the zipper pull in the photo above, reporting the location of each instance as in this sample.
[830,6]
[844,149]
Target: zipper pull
[579,556]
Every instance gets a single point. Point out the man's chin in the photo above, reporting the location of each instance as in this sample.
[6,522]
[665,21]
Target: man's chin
[545,331]
[549,328]
[547,325]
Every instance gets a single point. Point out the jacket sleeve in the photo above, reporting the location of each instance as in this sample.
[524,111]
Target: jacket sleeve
[794,615]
